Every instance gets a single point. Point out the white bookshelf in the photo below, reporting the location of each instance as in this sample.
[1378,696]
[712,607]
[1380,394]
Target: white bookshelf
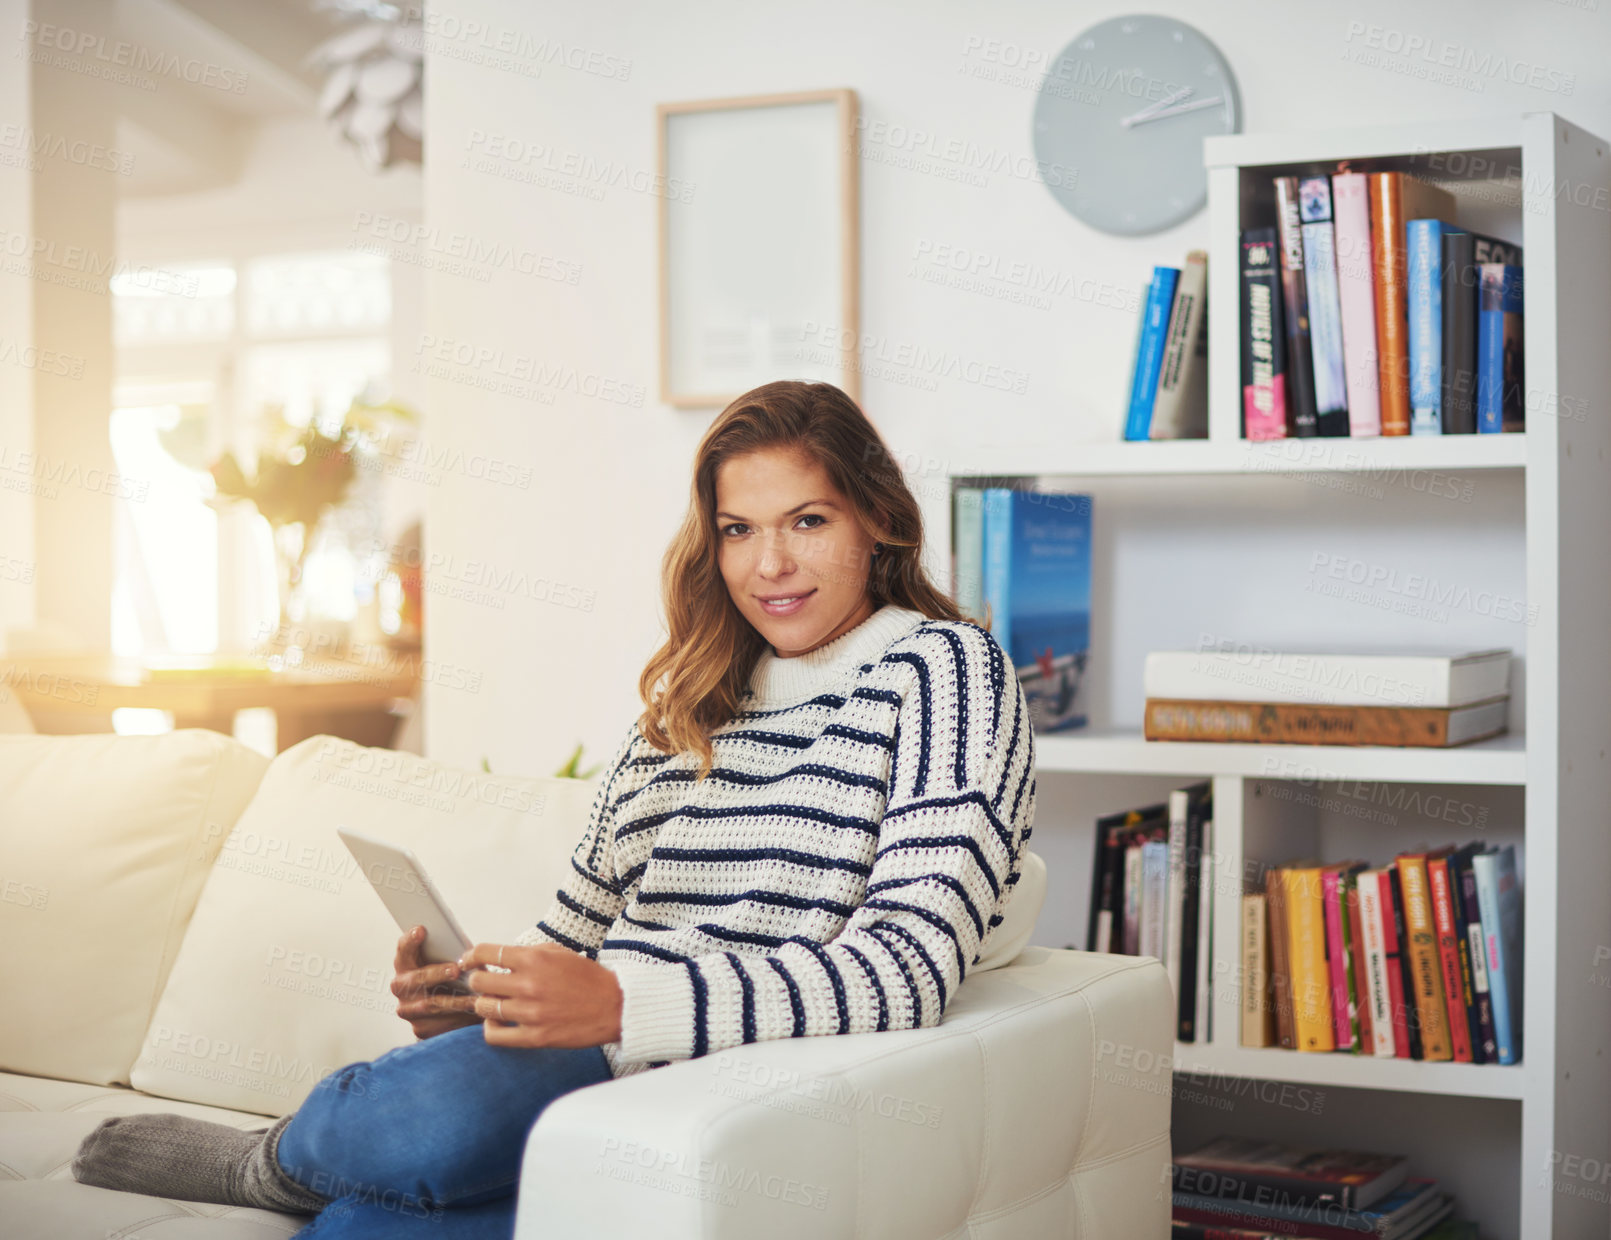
[1210,536]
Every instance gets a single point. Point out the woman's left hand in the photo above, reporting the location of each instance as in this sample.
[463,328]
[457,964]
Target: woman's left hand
[551,996]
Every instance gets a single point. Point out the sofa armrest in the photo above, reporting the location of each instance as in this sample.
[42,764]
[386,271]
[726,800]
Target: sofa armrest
[1040,1103]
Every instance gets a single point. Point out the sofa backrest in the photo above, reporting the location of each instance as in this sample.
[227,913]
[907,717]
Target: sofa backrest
[105,844]
[285,972]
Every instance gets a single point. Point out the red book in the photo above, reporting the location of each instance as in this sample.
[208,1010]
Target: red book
[1392,958]
[1454,990]
[1367,1044]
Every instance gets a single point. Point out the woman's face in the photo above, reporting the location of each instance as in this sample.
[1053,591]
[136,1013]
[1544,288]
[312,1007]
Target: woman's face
[791,551]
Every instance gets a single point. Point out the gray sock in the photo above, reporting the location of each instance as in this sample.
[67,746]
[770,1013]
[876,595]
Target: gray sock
[192,1160]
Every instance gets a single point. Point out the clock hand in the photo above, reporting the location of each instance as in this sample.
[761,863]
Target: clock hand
[1196,106]
[1151,108]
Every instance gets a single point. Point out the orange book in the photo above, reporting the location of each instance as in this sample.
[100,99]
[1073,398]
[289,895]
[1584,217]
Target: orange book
[1422,945]
[1454,990]
[1396,197]
[1306,958]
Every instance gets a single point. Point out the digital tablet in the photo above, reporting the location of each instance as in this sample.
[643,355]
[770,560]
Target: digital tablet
[412,899]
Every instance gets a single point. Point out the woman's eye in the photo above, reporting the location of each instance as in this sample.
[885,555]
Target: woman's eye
[813,516]
[727,529]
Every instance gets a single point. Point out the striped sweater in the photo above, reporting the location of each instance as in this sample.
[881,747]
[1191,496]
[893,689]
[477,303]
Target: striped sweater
[838,871]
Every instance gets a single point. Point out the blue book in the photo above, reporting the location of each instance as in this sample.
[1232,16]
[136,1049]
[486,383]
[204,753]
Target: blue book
[1499,903]
[1150,351]
[1037,581]
[1423,241]
[1501,404]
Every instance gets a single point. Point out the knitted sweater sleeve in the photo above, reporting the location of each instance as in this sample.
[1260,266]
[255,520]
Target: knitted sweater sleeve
[958,809]
[591,896]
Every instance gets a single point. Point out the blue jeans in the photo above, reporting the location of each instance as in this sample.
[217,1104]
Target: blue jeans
[427,1139]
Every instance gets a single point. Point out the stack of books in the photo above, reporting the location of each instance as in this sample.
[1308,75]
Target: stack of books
[1021,561]
[1421,959]
[1234,1189]
[1169,379]
[1366,311]
[1152,888]
[1236,693]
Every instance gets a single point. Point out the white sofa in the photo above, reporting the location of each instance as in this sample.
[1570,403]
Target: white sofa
[182,931]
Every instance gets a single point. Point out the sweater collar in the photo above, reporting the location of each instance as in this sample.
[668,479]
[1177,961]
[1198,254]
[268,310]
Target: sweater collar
[785,682]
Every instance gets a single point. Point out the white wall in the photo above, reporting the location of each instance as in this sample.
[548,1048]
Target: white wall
[610,482]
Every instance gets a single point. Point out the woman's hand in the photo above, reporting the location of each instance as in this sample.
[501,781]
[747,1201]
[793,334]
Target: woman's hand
[420,999]
[551,996]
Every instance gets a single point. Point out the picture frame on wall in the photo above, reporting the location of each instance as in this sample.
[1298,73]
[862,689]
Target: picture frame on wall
[759,244]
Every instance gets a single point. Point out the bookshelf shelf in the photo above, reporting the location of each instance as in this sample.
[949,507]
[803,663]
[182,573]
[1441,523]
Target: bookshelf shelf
[1381,457]
[1228,558]
[1212,1061]
[1502,760]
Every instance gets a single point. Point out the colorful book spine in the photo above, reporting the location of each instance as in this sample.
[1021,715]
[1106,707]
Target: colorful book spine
[1132,898]
[1264,360]
[1300,387]
[1356,294]
[1459,296]
[1358,983]
[1325,311]
[1337,959]
[1423,949]
[1154,899]
[1394,198]
[1406,1016]
[1374,939]
[1483,1038]
[1180,409]
[1424,242]
[1459,867]
[1454,992]
[1311,1008]
[1501,400]
[1499,897]
[1150,350]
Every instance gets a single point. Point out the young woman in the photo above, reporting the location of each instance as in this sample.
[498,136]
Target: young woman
[812,829]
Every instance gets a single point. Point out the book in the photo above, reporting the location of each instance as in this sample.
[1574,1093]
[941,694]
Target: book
[1358,983]
[1460,281]
[1104,927]
[1356,295]
[1306,959]
[1471,915]
[1300,384]
[1499,900]
[1424,303]
[1344,1014]
[1231,673]
[1037,583]
[1454,991]
[1423,953]
[1203,1026]
[1180,409]
[1325,312]
[1373,947]
[1501,400]
[1154,900]
[1406,1017]
[1280,961]
[1459,865]
[1149,351]
[1394,198]
[1264,361]
[1251,1170]
[967,531]
[1132,898]
[1185,911]
[1285,723]
[1406,1212]
[1258,1007]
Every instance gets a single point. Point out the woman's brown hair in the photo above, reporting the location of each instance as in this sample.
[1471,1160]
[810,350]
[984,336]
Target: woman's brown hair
[711,648]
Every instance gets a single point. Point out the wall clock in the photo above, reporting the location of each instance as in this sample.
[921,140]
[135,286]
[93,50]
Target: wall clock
[1126,106]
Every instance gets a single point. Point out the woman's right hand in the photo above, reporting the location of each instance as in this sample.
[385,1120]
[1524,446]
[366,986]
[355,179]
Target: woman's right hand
[420,999]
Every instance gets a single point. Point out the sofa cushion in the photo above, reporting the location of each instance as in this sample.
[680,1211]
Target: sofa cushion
[285,973]
[105,844]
